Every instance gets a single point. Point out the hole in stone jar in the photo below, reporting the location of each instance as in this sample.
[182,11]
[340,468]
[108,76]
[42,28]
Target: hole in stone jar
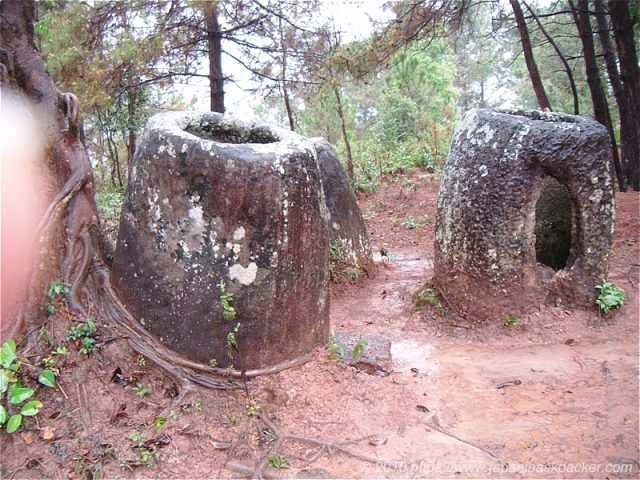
[553,224]
[231,133]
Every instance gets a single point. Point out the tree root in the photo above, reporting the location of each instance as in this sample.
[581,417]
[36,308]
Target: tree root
[261,468]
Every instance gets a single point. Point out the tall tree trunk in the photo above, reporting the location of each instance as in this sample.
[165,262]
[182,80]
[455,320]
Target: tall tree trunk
[67,223]
[623,29]
[567,67]
[534,74]
[131,143]
[343,127]
[283,77]
[598,97]
[214,51]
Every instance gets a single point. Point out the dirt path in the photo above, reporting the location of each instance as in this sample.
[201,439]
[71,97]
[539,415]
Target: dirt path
[568,407]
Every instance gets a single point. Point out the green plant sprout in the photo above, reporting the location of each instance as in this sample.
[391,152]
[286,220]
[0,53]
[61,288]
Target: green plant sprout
[232,338]
[510,320]
[82,334]
[409,222]
[253,410]
[334,350]
[360,347]
[278,461]
[609,297]
[228,311]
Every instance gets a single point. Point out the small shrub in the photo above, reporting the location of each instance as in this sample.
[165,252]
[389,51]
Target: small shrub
[83,335]
[609,296]
[57,290]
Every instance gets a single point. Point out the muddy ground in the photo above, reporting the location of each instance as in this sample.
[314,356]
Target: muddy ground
[554,396]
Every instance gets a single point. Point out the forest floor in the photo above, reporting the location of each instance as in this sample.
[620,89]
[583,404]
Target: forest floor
[554,396]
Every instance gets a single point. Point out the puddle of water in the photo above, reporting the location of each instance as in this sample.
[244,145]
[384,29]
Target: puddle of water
[407,355]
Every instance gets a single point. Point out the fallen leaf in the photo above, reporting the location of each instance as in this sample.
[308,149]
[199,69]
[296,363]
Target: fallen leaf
[48,433]
[27,438]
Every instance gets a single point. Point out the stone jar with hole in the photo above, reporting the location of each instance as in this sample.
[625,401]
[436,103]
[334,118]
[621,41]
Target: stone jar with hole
[525,213]
[224,213]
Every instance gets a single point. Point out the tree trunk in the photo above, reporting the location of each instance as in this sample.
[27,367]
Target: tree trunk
[70,217]
[131,144]
[567,67]
[534,74]
[598,97]
[343,127]
[214,51]
[623,29]
[283,77]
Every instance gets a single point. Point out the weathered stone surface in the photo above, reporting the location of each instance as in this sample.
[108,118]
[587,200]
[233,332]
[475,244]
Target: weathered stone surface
[211,200]
[512,175]
[376,357]
[346,224]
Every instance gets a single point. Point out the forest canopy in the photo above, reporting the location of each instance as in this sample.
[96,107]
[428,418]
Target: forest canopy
[389,101]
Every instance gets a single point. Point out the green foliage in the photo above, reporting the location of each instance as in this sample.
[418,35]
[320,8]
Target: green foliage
[360,347]
[253,410]
[13,393]
[336,248]
[427,296]
[409,222]
[47,378]
[609,296]
[159,422]
[139,390]
[109,201]
[510,321]
[278,461]
[412,223]
[228,311]
[335,351]
[213,363]
[352,273]
[147,451]
[57,290]
[141,361]
[232,338]
[83,335]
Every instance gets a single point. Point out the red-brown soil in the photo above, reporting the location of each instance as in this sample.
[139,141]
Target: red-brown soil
[568,407]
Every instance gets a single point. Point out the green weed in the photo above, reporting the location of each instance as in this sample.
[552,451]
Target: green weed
[13,394]
[609,296]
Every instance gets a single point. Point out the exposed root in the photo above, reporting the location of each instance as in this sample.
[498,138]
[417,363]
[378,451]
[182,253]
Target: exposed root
[261,468]
[434,424]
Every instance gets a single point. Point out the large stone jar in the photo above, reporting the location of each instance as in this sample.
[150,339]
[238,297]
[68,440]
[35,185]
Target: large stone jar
[347,229]
[525,213]
[216,207]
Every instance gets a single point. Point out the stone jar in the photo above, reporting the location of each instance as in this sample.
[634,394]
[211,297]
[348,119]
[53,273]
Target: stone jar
[525,213]
[347,230]
[224,213]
